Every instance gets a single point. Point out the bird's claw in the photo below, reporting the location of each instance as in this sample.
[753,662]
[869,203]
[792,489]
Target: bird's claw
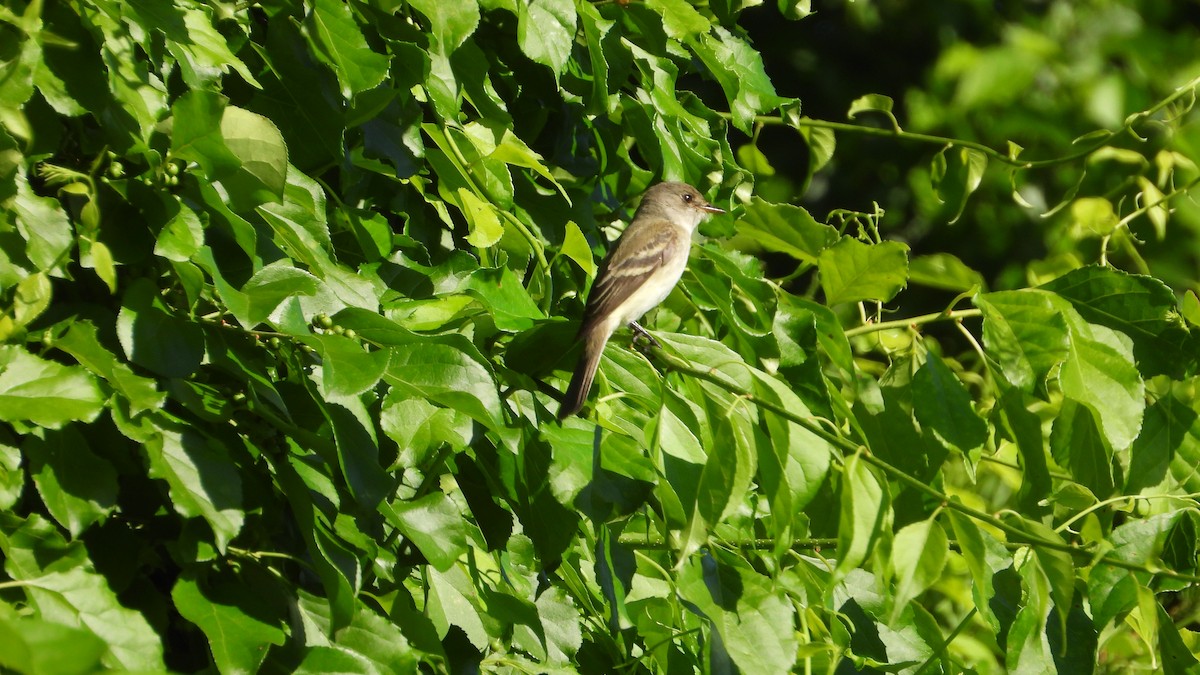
[642,334]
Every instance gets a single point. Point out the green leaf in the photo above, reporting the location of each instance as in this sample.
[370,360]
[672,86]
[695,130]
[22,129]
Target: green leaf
[1026,332]
[202,480]
[77,487]
[485,226]
[347,367]
[1100,372]
[356,440]
[369,644]
[12,478]
[784,228]
[500,144]
[420,428]
[852,271]
[31,299]
[1177,657]
[341,44]
[1112,589]
[84,594]
[196,133]
[434,525]
[918,558]
[944,271]
[179,240]
[1093,216]
[259,147]
[44,392]
[1026,649]
[546,31]
[575,246]
[61,585]
[155,338]
[752,616]
[873,103]
[1142,307]
[943,407]
[1167,451]
[1189,307]
[733,284]
[739,70]
[974,163]
[1077,443]
[865,509]
[239,625]
[803,456]
[501,293]
[680,20]
[728,468]
[1025,428]
[1057,565]
[44,226]
[985,556]
[441,372]
[821,145]
[795,9]
[333,561]
[82,342]
[299,221]
[35,646]
[454,601]
[104,265]
[201,51]
[452,22]
[272,285]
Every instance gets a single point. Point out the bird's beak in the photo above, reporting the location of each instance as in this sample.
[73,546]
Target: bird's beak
[709,208]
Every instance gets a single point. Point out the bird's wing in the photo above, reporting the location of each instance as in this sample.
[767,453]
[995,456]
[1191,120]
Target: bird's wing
[639,253]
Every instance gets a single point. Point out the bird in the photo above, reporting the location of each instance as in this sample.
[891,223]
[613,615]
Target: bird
[637,274]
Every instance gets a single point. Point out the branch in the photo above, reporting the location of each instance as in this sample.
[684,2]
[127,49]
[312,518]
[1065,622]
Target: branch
[1105,137]
[1014,533]
[948,315]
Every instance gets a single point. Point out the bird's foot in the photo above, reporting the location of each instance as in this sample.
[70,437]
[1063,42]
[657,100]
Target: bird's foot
[641,334]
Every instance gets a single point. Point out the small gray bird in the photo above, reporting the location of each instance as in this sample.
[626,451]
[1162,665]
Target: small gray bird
[638,273]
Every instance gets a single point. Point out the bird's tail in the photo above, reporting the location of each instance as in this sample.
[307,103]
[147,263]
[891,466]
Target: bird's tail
[585,372]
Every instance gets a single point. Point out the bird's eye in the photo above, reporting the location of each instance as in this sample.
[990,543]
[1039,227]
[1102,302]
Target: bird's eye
[687,198]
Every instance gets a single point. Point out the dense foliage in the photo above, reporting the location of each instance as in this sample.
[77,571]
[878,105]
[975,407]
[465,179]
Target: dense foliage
[288,290]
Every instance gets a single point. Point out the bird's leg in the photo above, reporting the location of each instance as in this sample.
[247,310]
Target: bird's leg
[640,333]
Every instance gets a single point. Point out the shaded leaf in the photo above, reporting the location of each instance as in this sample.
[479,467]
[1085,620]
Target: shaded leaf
[237,622]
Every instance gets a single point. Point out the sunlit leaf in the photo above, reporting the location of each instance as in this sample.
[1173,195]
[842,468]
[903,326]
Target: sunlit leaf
[752,616]
[43,392]
[852,271]
[341,44]
[865,509]
[546,31]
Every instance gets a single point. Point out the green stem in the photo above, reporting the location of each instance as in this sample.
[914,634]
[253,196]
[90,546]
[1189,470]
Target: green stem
[1166,198]
[762,543]
[1001,157]
[946,643]
[949,315]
